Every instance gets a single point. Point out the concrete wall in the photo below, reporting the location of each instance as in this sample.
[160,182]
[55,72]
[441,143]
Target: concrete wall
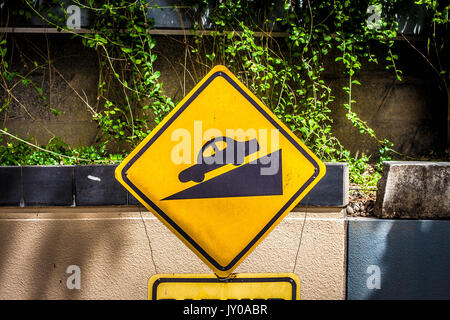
[118,250]
[73,68]
[414,190]
[411,113]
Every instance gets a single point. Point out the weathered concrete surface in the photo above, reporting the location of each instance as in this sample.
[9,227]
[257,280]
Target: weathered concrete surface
[410,113]
[413,189]
[398,259]
[69,83]
[118,250]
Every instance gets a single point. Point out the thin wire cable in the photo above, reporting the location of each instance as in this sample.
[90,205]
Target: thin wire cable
[148,239]
[301,236]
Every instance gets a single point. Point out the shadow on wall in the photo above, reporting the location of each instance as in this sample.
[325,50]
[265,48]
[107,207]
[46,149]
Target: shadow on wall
[35,253]
[413,257]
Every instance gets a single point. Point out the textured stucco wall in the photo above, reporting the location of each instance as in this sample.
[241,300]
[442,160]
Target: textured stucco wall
[112,248]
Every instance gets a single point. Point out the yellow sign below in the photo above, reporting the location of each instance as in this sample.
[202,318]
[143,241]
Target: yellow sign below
[221,171]
[266,286]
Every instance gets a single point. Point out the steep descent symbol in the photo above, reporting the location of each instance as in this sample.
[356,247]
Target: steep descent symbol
[243,181]
[234,152]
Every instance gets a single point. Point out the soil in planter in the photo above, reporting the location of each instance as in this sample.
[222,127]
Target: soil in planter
[361,202]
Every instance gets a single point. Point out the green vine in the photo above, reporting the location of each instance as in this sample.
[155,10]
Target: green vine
[287,73]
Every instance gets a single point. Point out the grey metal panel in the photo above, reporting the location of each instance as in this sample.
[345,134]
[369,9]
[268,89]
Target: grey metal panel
[413,257]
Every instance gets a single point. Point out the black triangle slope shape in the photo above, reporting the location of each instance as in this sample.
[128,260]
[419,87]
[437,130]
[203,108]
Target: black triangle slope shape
[244,181]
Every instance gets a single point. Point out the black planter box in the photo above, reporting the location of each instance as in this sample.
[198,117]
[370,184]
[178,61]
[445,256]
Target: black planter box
[96,186]
[64,11]
[47,185]
[331,190]
[165,15]
[177,15]
[10,186]
[132,201]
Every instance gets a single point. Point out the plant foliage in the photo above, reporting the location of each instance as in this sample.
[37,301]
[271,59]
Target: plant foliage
[287,72]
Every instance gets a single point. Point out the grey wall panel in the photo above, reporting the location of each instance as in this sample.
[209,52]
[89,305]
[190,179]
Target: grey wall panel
[413,257]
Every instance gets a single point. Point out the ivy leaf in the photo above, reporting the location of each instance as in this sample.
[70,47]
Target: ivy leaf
[211,56]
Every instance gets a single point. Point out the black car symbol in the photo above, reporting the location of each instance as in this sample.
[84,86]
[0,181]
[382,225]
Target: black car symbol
[234,153]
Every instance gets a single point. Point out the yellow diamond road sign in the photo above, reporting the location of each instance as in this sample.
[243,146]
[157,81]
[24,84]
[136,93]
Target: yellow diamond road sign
[220,171]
